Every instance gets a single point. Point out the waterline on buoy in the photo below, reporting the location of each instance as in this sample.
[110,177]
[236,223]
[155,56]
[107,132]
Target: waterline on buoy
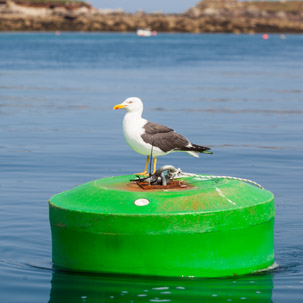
[271,267]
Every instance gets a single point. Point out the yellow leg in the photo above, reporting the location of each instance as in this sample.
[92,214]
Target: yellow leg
[155,164]
[145,169]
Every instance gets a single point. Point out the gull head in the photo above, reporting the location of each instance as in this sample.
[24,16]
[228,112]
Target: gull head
[132,104]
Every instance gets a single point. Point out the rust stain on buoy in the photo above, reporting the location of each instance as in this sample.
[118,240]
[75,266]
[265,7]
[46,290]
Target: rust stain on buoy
[143,186]
[174,184]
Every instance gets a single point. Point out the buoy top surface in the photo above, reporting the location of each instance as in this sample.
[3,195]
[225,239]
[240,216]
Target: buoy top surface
[113,204]
[116,195]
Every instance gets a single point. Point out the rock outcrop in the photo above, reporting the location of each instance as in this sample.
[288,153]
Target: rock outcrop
[208,16]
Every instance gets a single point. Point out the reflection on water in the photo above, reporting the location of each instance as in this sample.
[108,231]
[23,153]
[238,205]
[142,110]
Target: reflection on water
[75,287]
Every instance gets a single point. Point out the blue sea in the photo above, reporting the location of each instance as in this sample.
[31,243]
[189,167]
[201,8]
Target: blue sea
[239,94]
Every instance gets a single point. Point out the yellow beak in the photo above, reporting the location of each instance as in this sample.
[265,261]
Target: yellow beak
[119,106]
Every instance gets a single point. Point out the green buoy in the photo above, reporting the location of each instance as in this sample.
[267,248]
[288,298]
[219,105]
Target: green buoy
[201,228]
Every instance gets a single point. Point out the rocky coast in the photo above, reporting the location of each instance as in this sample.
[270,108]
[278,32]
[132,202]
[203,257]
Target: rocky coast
[209,16]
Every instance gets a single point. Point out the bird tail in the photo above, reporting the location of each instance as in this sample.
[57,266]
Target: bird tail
[197,149]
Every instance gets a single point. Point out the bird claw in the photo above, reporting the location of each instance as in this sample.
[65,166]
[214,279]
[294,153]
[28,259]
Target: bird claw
[144,173]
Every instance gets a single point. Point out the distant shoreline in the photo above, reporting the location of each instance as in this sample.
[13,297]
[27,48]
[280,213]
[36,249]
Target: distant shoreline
[165,23]
[231,17]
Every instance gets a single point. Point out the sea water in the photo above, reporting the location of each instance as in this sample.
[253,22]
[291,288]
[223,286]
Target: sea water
[239,94]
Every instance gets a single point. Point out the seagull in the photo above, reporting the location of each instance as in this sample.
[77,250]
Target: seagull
[147,138]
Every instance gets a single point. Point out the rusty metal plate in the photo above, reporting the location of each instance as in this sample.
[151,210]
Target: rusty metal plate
[175,184]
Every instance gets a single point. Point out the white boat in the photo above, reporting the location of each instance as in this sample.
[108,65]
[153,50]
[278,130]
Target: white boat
[143,32]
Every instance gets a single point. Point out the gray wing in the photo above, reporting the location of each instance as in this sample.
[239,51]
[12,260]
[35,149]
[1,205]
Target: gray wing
[163,137]
[155,128]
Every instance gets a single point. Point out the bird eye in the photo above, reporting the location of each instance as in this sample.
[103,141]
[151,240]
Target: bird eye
[130,102]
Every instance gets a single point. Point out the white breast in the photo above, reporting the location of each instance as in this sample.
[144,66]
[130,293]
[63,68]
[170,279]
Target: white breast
[133,128]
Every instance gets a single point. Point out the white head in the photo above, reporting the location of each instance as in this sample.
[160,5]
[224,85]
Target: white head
[132,104]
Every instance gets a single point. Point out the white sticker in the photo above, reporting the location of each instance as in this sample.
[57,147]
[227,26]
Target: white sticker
[141,202]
